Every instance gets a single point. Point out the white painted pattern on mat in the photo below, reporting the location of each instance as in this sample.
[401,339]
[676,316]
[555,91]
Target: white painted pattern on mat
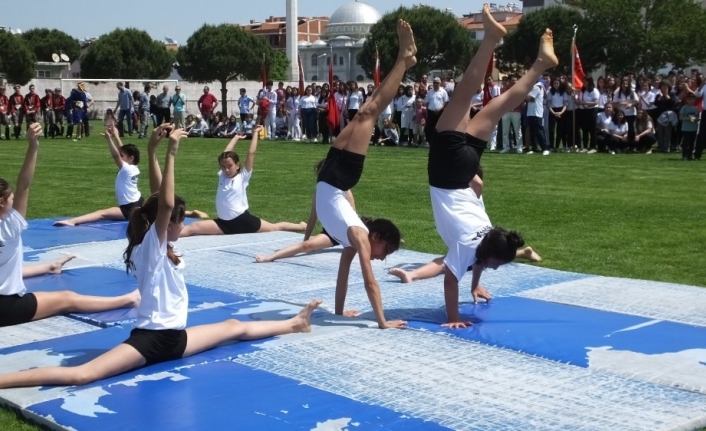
[46,329]
[651,299]
[467,386]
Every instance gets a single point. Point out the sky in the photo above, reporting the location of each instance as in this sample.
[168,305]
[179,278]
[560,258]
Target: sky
[178,19]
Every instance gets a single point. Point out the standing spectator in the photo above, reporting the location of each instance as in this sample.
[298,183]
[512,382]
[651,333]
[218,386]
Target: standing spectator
[245,104]
[48,113]
[207,104]
[86,116]
[16,110]
[369,94]
[557,103]
[513,120]
[163,103]
[307,105]
[294,115]
[32,106]
[493,91]
[144,111]
[627,101]
[355,99]
[178,100]
[586,112]
[423,88]
[435,101]
[125,108]
[59,104]
[418,122]
[322,108]
[689,116]
[4,112]
[535,118]
[665,103]
[153,111]
[404,106]
[269,120]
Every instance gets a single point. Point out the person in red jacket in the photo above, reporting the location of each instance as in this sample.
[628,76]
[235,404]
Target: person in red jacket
[58,104]
[48,113]
[5,112]
[32,106]
[16,110]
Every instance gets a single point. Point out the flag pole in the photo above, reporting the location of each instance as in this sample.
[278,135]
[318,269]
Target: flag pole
[573,74]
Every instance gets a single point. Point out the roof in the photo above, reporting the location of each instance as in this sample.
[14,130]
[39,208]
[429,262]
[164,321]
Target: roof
[355,12]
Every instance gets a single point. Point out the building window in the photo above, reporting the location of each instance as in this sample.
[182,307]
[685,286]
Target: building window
[360,78]
[314,60]
[314,78]
[345,29]
[473,35]
[44,74]
[340,60]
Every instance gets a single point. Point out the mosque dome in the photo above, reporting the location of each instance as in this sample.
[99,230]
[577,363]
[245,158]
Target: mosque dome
[353,19]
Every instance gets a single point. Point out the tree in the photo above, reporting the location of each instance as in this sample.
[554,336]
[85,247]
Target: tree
[277,66]
[645,35]
[226,52]
[17,61]
[127,54]
[45,42]
[519,49]
[442,42]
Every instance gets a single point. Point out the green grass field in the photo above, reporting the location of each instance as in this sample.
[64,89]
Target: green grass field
[636,216]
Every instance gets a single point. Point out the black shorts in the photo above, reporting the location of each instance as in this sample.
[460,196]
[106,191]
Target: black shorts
[16,309]
[335,243]
[454,159]
[342,169]
[244,223]
[127,208]
[158,345]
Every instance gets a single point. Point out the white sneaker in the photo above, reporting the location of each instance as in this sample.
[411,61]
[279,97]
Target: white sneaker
[519,151]
[545,152]
[505,151]
[612,152]
[592,151]
[530,152]
[315,140]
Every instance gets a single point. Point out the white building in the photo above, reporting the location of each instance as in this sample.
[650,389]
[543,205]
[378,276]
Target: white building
[530,5]
[341,42]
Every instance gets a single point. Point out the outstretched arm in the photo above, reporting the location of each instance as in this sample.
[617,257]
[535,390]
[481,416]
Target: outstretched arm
[154,171]
[233,142]
[24,179]
[110,134]
[312,219]
[166,190]
[250,160]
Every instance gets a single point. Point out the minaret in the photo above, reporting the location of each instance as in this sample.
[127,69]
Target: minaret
[292,39]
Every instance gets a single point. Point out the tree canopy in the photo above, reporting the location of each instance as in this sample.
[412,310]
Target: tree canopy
[17,61]
[442,42]
[45,42]
[643,35]
[128,54]
[520,47]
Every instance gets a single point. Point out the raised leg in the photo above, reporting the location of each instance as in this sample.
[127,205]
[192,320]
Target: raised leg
[29,271]
[456,115]
[121,359]
[205,337]
[113,213]
[53,303]
[430,270]
[529,254]
[318,242]
[205,227]
[283,225]
[355,137]
[485,121]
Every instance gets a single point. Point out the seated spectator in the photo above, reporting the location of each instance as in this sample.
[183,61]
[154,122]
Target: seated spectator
[619,140]
[248,126]
[217,126]
[189,123]
[281,125]
[644,132]
[200,128]
[231,128]
[604,122]
[389,137]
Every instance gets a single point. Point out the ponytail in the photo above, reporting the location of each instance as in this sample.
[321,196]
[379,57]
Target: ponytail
[385,230]
[499,244]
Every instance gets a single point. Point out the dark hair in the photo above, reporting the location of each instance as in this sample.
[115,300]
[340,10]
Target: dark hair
[319,165]
[5,188]
[131,150]
[385,230]
[270,83]
[588,85]
[140,221]
[229,155]
[499,244]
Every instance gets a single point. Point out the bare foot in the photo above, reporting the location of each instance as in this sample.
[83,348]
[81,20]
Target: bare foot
[546,54]
[351,313]
[529,254]
[63,223]
[56,266]
[262,259]
[408,49]
[302,225]
[302,321]
[403,275]
[492,28]
[198,214]
[134,298]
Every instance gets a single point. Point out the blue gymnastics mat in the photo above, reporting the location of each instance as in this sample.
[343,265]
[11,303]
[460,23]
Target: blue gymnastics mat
[553,351]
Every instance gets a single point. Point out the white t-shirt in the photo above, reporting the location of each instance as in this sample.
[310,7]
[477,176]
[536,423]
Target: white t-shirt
[536,108]
[355,99]
[11,257]
[647,101]
[436,100]
[165,300]
[126,191]
[620,97]
[604,122]
[604,99]
[462,223]
[558,100]
[589,96]
[308,102]
[477,100]
[335,212]
[620,130]
[231,199]
[293,104]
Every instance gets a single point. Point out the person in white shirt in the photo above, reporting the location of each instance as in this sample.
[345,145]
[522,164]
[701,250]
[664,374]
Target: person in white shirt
[245,104]
[557,103]
[342,171]
[232,200]
[535,119]
[604,123]
[587,101]
[293,116]
[454,161]
[355,99]
[435,101]
[405,106]
[270,123]
[619,133]
[644,132]
[160,333]
[493,91]
[308,112]
[16,304]
[126,158]
[626,100]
